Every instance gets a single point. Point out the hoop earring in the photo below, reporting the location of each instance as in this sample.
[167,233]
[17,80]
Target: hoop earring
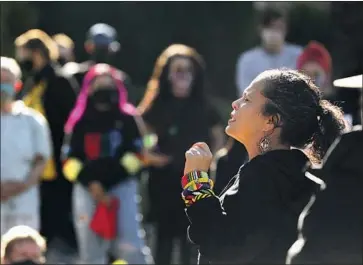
[264,145]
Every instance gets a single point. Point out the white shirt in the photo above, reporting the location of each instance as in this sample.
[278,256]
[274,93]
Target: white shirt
[24,134]
[253,62]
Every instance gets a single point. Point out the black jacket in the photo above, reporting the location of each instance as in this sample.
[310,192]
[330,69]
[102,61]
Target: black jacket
[58,99]
[228,165]
[254,220]
[333,228]
[99,140]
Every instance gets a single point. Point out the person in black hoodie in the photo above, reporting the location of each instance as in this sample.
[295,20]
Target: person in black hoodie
[53,95]
[226,163]
[176,110]
[331,226]
[102,155]
[254,219]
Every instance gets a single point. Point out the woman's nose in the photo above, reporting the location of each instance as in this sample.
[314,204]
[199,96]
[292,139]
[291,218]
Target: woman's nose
[235,104]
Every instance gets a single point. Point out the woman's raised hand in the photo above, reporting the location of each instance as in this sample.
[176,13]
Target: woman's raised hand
[198,157]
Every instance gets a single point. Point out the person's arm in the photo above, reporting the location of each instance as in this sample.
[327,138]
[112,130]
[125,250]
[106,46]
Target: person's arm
[246,226]
[42,152]
[72,155]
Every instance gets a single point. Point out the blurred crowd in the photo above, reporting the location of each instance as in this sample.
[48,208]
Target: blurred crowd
[76,153]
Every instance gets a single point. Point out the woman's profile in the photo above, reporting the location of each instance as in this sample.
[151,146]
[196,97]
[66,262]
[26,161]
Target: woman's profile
[254,219]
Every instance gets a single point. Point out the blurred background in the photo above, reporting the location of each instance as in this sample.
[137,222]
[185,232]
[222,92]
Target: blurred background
[220,31]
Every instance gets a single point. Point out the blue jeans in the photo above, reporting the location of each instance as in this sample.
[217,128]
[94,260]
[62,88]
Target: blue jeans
[129,244]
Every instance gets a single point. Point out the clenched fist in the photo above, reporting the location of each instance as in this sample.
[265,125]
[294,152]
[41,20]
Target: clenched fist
[198,157]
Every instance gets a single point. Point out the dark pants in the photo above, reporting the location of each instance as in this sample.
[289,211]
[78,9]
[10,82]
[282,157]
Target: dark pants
[164,244]
[168,215]
[56,211]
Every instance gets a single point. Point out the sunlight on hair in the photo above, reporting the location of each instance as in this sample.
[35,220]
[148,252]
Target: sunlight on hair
[21,232]
[9,64]
[40,35]
[63,40]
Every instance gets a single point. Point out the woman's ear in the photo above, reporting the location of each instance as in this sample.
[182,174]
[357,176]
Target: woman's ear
[272,122]
[276,120]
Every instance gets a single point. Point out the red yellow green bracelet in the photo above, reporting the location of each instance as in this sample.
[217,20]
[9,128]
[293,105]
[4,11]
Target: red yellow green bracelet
[194,179]
[196,185]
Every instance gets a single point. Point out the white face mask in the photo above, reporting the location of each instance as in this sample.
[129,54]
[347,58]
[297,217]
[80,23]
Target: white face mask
[272,38]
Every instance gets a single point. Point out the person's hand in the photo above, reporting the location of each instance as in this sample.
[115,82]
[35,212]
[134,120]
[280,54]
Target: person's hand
[97,192]
[157,160]
[12,188]
[198,157]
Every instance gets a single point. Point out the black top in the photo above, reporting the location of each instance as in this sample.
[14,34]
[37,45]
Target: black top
[58,100]
[334,226]
[100,140]
[179,123]
[254,220]
[228,165]
[348,101]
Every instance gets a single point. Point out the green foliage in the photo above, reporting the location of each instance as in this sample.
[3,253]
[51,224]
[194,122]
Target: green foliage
[309,23]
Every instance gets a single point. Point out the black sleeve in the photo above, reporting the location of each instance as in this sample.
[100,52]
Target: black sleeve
[73,147]
[133,138]
[247,225]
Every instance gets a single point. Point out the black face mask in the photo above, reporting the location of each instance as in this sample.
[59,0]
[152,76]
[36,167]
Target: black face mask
[105,96]
[26,65]
[25,262]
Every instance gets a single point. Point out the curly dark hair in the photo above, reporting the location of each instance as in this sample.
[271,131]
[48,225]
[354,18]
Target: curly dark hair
[306,121]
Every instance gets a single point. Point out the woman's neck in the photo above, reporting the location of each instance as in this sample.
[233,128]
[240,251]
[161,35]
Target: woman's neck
[254,150]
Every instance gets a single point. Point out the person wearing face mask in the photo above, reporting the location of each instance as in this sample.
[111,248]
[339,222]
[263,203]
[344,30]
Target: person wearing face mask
[316,62]
[176,110]
[103,154]
[101,45]
[53,95]
[22,245]
[66,48]
[274,52]
[25,148]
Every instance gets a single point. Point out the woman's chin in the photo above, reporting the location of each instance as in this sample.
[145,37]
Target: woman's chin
[228,130]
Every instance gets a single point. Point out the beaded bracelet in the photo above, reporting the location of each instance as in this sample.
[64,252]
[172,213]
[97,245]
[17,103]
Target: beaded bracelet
[190,197]
[194,179]
[196,185]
